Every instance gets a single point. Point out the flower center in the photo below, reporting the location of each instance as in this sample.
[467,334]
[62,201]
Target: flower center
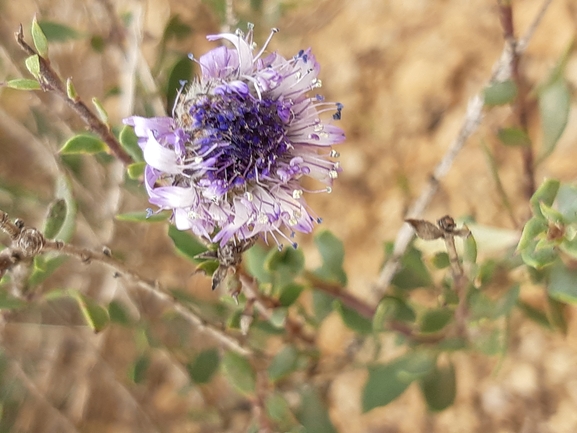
[240,135]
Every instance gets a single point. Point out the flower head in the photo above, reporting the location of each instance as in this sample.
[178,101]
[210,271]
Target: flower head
[228,162]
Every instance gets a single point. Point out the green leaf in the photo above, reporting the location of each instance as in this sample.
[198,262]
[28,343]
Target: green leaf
[441,260]
[279,411]
[567,202]
[354,320]
[385,384]
[333,254]
[491,342]
[136,169]
[470,249]
[180,72]
[56,32]
[435,320]
[55,218]
[204,366]
[513,137]
[289,262]
[501,93]
[239,372]
[33,65]
[84,144]
[209,267]
[254,260]
[142,217]
[137,373]
[440,388]
[554,106]
[283,363]
[562,283]
[313,414]
[71,90]
[392,308]
[546,194]
[39,38]
[8,302]
[413,273]
[534,227]
[290,293]
[185,243]
[96,316]
[176,28]
[44,267]
[552,215]
[23,84]
[539,258]
[323,305]
[556,312]
[100,110]
[129,142]
[118,313]
[534,314]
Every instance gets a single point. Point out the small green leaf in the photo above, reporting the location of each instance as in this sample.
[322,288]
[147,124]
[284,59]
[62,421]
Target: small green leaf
[290,262]
[180,72]
[55,218]
[204,366]
[33,65]
[392,308]
[23,84]
[538,258]
[440,388]
[323,305]
[534,314]
[384,383]
[254,260]
[313,414]
[552,215]
[554,106]
[470,249]
[283,363]
[39,38]
[83,143]
[546,194]
[563,283]
[136,170]
[118,313]
[534,227]
[44,267]
[435,320]
[333,254]
[567,202]
[556,312]
[501,93]
[8,302]
[71,90]
[441,260]
[413,273]
[137,373]
[289,294]
[56,32]
[129,142]
[354,320]
[143,217]
[513,137]
[209,267]
[279,411]
[100,110]
[185,243]
[239,372]
[95,315]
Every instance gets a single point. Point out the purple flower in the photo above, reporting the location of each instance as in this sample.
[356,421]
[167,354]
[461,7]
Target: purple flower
[228,163]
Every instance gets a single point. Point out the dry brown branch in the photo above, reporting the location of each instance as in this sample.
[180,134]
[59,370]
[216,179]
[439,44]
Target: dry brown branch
[470,124]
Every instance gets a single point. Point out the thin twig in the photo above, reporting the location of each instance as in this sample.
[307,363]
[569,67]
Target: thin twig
[470,123]
[28,242]
[50,81]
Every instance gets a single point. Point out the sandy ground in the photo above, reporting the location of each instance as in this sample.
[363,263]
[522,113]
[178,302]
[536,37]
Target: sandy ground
[405,72]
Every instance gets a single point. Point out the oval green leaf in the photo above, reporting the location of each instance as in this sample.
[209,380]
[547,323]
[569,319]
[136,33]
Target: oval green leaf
[239,372]
[83,144]
[23,84]
[440,388]
[500,93]
[554,106]
[39,38]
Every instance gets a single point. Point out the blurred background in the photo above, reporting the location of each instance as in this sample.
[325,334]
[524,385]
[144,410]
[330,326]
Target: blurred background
[405,72]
